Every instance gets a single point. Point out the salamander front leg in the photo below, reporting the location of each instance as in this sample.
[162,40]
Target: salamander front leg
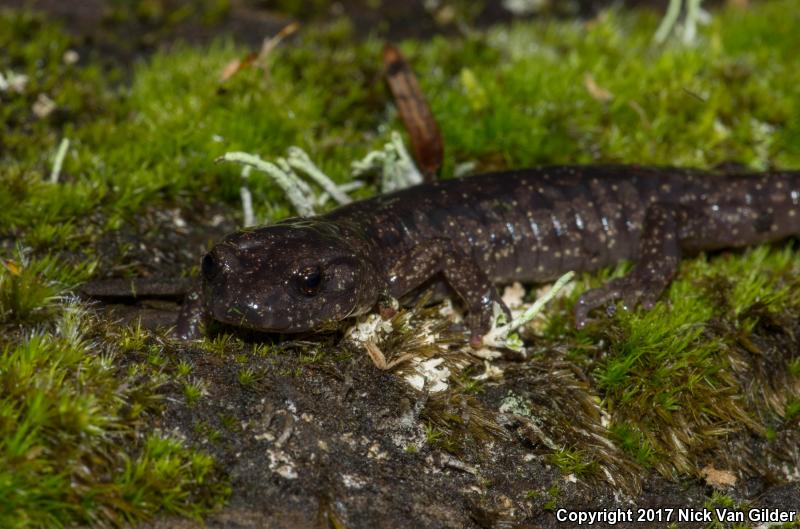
[192,316]
[659,255]
[460,271]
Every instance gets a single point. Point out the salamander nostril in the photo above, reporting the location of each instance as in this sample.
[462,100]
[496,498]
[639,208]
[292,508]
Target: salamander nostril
[209,267]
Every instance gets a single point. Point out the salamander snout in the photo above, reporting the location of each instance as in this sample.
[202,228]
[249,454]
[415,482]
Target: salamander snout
[217,263]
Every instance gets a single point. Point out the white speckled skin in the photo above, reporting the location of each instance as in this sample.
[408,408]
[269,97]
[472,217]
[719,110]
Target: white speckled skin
[529,225]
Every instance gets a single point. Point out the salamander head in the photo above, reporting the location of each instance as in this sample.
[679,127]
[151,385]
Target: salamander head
[289,277]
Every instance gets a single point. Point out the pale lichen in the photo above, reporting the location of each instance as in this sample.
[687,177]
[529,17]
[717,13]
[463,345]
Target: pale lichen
[395,166]
[503,335]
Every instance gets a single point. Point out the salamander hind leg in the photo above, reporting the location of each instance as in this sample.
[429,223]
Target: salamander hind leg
[658,258]
[466,278]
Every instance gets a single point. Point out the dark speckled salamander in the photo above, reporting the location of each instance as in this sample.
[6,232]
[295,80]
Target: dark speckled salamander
[529,225]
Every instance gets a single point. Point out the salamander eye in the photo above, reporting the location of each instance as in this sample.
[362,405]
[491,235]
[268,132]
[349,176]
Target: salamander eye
[309,280]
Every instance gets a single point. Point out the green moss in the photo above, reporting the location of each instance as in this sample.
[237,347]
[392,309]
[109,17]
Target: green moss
[156,152]
[219,344]
[792,410]
[75,448]
[230,423]
[133,338]
[166,477]
[155,357]
[571,461]
[29,287]
[437,438]
[205,431]
[664,101]
[248,377]
[714,358]
[553,493]
[193,390]
[184,369]
[470,385]
[325,94]
[717,500]
[633,442]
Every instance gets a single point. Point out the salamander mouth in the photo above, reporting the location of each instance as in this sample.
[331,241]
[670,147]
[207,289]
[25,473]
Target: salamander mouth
[248,318]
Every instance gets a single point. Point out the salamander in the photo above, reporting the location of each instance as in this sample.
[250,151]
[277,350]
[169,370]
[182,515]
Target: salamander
[473,233]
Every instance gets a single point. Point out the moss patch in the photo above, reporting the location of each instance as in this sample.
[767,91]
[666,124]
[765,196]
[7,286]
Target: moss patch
[77,445]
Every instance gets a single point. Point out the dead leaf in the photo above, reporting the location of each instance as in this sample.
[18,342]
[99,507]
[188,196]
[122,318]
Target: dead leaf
[379,359]
[272,42]
[596,91]
[13,268]
[258,59]
[718,478]
[236,66]
[513,295]
[415,113]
